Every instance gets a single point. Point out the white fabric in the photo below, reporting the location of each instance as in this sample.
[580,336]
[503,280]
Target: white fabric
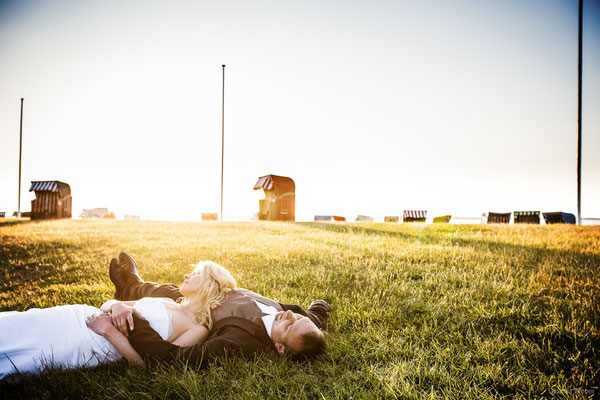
[270,317]
[156,313]
[33,340]
[268,321]
[38,338]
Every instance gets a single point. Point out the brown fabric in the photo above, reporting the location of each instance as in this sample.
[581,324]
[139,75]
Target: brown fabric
[240,303]
[135,289]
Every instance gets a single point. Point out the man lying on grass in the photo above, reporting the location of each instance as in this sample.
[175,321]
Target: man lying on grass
[242,322]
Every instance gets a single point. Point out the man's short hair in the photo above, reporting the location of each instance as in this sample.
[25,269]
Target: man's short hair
[313,344]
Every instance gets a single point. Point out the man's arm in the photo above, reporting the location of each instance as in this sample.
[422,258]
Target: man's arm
[229,339]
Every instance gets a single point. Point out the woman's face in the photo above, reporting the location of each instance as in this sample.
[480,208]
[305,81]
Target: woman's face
[191,282]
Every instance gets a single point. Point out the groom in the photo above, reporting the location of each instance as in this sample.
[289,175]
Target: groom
[245,322]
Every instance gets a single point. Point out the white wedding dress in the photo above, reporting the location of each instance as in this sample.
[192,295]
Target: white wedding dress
[36,339]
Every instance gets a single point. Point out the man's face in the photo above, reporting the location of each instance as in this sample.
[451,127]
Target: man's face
[288,329]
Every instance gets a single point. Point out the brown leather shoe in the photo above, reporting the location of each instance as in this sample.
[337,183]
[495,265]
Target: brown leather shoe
[129,265]
[116,274]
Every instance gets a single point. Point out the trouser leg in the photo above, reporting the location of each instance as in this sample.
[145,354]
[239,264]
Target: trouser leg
[135,289]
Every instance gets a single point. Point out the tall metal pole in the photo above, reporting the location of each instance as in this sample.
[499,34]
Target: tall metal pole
[579,106]
[20,153]
[222,138]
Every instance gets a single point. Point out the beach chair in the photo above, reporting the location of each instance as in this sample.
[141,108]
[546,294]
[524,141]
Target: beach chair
[498,218]
[444,219]
[414,215]
[363,218]
[394,218]
[339,218]
[559,217]
[323,218]
[527,217]
[210,216]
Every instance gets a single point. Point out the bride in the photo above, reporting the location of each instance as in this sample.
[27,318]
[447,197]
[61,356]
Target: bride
[75,336]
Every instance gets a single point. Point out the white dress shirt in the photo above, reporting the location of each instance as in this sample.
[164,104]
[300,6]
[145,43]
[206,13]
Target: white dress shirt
[270,317]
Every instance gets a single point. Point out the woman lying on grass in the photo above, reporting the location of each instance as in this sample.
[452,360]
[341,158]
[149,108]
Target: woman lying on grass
[73,336]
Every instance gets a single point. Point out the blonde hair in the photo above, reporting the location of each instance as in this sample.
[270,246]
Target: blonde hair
[217,282]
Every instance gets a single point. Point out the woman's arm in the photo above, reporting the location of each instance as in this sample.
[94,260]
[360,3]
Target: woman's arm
[102,325]
[192,336]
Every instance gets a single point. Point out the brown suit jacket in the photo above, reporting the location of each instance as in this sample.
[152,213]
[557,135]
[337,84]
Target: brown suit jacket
[237,328]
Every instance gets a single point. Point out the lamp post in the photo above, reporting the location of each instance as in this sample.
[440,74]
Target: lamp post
[579,106]
[20,152]
[222,137]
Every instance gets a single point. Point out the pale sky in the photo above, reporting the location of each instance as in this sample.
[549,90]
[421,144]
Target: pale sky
[372,107]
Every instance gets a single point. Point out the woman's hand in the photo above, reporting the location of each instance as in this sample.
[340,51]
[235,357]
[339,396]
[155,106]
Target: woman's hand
[122,315]
[100,323]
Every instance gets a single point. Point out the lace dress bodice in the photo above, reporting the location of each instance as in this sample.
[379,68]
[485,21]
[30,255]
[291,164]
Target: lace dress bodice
[155,312]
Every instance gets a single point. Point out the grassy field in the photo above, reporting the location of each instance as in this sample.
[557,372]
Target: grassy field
[417,311]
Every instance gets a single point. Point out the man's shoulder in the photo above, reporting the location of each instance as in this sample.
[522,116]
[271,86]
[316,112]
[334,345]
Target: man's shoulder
[245,291]
[240,290]
[258,297]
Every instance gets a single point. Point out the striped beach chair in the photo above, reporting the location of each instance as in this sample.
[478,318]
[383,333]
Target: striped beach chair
[527,217]
[414,215]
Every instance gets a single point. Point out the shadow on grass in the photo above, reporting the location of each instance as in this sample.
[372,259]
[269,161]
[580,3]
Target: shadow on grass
[11,222]
[29,263]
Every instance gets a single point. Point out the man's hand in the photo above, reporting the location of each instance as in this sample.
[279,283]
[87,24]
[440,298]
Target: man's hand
[100,323]
[122,315]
